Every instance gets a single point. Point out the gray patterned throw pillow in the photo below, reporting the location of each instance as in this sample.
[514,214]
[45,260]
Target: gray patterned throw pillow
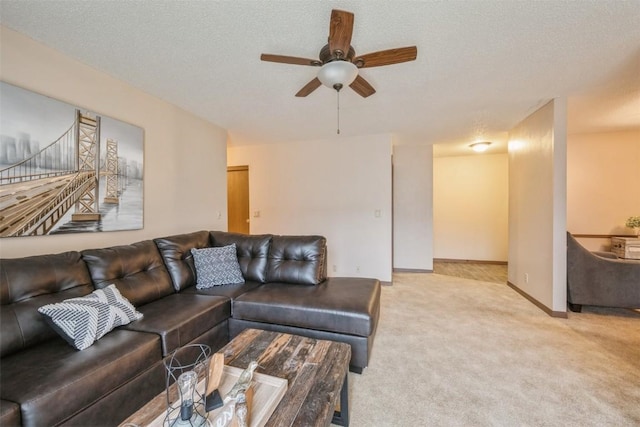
[82,321]
[216,266]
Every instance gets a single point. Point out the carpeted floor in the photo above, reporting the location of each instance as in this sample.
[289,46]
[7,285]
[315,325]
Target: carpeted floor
[456,352]
[496,273]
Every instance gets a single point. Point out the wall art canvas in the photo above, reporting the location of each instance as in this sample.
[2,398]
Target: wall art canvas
[64,169]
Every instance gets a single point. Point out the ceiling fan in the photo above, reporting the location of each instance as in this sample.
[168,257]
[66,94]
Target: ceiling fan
[338,61]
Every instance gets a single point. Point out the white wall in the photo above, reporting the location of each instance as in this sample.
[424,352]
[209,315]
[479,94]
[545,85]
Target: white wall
[603,184]
[537,205]
[470,207]
[185,156]
[413,207]
[329,187]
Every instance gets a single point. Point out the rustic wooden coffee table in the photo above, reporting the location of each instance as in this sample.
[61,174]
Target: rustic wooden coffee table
[316,371]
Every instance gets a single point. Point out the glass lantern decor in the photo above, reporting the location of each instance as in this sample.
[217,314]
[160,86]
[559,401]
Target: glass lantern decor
[186,369]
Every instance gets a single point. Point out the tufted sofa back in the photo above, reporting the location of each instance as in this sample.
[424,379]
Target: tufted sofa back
[176,253]
[262,257]
[137,270]
[253,252]
[143,272]
[297,259]
[29,283]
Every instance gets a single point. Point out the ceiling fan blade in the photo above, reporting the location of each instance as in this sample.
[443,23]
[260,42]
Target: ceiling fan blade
[362,87]
[289,59]
[340,31]
[309,87]
[387,57]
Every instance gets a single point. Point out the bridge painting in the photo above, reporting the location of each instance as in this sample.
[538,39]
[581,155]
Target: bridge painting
[64,169]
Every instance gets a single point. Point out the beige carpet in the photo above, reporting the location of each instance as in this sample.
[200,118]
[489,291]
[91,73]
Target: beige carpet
[496,273]
[458,352]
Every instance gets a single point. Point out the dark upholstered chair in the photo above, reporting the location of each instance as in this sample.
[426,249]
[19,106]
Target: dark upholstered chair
[598,279]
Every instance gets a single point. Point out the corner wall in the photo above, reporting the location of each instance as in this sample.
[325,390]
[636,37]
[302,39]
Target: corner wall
[537,207]
[331,187]
[185,156]
[413,207]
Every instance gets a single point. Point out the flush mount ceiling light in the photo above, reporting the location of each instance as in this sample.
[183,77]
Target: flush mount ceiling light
[479,147]
[337,74]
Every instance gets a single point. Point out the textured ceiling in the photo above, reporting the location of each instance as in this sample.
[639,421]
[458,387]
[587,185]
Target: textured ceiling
[482,66]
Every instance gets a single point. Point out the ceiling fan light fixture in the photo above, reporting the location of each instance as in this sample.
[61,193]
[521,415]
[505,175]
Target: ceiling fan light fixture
[480,147]
[337,74]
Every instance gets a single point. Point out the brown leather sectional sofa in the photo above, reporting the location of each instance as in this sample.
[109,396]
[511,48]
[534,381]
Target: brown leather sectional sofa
[45,382]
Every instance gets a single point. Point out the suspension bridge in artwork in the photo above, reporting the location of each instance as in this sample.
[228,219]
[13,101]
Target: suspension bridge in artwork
[38,191]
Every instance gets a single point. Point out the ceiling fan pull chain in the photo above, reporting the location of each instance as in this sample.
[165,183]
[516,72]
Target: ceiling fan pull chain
[338,92]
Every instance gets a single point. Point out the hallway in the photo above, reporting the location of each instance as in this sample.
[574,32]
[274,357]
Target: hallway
[494,273]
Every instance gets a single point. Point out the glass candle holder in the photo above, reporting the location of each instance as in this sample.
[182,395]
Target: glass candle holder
[186,376]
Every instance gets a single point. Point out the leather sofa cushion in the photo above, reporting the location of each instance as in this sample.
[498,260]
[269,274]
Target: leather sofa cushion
[137,270]
[252,250]
[31,282]
[9,414]
[297,259]
[180,318]
[342,305]
[229,291]
[176,253]
[52,381]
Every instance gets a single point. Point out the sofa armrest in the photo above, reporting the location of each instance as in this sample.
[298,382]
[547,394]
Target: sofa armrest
[608,255]
[599,281]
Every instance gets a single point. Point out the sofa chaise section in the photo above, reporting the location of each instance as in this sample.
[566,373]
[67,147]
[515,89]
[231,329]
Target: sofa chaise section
[297,297]
[285,289]
[339,309]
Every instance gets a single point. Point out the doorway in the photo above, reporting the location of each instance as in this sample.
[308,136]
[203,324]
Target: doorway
[238,199]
